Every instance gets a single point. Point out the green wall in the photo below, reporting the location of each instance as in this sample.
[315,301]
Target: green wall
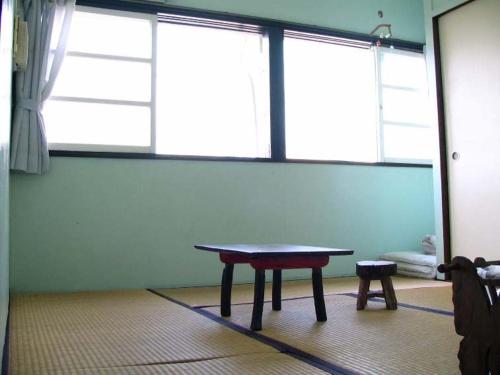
[6,23]
[406,16]
[110,223]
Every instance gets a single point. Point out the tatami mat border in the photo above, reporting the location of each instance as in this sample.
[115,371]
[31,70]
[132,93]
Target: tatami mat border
[354,295]
[251,303]
[407,305]
[308,358]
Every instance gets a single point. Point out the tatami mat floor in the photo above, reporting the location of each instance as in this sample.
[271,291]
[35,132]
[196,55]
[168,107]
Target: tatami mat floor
[138,332]
[373,341]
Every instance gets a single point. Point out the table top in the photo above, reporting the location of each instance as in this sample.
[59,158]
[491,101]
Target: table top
[256,250]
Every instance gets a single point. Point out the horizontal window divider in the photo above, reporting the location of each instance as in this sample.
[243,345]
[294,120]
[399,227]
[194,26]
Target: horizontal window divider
[150,156]
[100,101]
[122,12]
[109,57]
[368,164]
[100,148]
[403,88]
[423,162]
[156,7]
[407,124]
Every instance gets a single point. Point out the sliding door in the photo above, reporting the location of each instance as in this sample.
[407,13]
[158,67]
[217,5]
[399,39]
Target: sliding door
[469,39]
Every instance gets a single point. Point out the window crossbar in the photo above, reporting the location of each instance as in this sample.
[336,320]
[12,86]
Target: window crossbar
[100,101]
[407,124]
[108,57]
[327,39]
[211,23]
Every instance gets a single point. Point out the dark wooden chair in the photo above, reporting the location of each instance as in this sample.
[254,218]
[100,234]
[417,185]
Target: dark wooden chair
[376,270]
[477,317]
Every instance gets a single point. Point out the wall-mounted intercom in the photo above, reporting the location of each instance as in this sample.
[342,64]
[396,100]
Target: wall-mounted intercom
[20,49]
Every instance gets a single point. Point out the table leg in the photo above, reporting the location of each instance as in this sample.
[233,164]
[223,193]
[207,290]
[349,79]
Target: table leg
[276,290]
[225,293]
[319,299]
[258,300]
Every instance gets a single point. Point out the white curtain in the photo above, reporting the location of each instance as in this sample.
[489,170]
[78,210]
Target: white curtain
[48,28]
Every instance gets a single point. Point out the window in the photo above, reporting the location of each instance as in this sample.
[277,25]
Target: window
[171,84]
[212,91]
[332,87]
[330,98]
[405,130]
[102,99]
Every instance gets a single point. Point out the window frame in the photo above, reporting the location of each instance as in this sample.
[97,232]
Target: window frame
[275,32]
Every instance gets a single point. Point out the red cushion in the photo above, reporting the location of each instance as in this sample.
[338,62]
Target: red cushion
[232,258]
[276,262]
[288,262]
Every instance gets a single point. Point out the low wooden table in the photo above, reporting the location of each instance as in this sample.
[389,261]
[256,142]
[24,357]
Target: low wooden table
[277,258]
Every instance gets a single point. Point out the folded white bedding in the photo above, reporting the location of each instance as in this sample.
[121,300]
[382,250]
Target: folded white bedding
[413,264]
[411,258]
[418,274]
[408,269]
[402,266]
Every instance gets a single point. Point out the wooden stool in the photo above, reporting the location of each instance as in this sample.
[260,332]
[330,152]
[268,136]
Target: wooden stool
[376,270]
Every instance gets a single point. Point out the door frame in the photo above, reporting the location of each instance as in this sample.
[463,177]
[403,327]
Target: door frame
[443,152]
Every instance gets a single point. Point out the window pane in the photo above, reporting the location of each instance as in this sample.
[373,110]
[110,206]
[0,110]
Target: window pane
[110,35]
[405,106]
[98,124]
[330,102]
[404,69]
[212,92]
[104,79]
[405,142]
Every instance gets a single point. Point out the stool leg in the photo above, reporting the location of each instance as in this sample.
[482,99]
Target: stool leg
[390,296]
[364,288]
[225,291]
[258,300]
[276,290]
[319,299]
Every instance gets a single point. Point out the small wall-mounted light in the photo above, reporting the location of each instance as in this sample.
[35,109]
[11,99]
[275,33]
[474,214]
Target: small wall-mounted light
[383,31]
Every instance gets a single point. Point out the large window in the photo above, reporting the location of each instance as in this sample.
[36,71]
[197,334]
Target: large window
[187,86]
